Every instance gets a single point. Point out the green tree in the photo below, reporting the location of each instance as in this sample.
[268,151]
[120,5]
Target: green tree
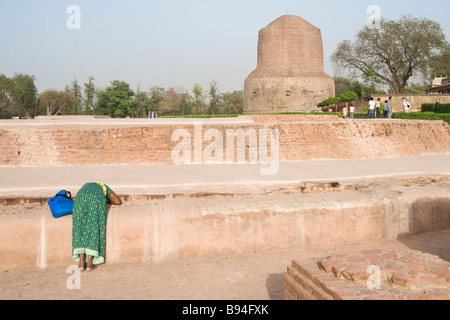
[329,102]
[232,102]
[372,83]
[24,94]
[440,66]
[57,102]
[198,102]
[116,101]
[6,99]
[416,88]
[395,52]
[344,85]
[214,98]
[156,98]
[89,96]
[347,96]
[75,89]
[185,104]
[142,104]
[170,105]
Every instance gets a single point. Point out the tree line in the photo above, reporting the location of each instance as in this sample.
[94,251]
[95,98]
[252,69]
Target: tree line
[20,98]
[389,58]
[401,56]
[380,60]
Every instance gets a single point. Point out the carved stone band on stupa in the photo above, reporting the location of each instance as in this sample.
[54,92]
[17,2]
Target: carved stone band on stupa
[290,73]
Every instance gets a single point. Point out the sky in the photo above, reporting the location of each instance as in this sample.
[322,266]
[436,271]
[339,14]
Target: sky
[170,43]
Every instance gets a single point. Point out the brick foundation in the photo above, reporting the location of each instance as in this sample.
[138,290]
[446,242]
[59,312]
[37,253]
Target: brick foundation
[69,144]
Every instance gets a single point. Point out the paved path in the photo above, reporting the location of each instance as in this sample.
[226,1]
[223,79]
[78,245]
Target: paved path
[46,181]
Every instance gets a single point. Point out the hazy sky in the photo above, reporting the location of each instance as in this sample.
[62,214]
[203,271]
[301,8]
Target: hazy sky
[170,43]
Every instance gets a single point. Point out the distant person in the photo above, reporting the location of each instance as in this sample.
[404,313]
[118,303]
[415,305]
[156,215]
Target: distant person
[371,113]
[352,111]
[386,109]
[378,107]
[406,105]
[390,108]
[345,112]
[89,224]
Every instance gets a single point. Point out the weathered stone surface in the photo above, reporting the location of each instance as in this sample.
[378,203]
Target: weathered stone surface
[290,72]
[401,277]
[355,273]
[326,266]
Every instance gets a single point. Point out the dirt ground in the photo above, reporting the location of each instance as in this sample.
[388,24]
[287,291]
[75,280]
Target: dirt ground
[250,277]
[257,276]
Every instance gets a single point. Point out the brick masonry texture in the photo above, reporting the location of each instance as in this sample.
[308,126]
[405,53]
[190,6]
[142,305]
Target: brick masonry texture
[299,139]
[290,72]
[405,273]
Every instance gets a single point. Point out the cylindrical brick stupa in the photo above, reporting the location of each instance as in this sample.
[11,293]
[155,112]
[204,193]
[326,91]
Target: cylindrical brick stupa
[290,73]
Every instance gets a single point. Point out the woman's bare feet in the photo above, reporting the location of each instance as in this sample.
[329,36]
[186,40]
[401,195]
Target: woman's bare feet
[82,264]
[90,266]
[89,269]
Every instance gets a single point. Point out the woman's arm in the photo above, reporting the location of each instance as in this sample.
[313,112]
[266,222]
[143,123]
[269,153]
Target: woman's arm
[114,199]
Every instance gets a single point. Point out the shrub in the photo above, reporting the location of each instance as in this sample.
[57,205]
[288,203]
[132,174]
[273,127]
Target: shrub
[365,109]
[314,113]
[428,107]
[442,107]
[202,116]
[328,102]
[350,95]
[436,107]
[423,116]
[347,96]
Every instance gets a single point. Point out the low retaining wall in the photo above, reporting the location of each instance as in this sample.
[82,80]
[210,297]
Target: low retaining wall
[77,144]
[147,231]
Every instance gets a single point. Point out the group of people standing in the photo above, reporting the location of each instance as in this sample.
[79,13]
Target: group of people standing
[375,107]
[345,112]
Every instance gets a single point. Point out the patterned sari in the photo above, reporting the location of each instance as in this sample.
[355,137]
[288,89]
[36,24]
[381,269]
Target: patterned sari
[89,222]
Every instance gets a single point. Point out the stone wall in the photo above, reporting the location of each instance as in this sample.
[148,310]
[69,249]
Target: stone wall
[314,216]
[59,144]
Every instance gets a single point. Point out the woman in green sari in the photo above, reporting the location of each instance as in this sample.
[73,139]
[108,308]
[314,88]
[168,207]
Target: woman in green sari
[89,224]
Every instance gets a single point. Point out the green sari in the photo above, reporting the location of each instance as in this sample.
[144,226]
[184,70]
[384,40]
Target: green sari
[89,222]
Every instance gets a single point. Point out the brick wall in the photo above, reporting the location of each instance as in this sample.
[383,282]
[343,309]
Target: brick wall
[151,144]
